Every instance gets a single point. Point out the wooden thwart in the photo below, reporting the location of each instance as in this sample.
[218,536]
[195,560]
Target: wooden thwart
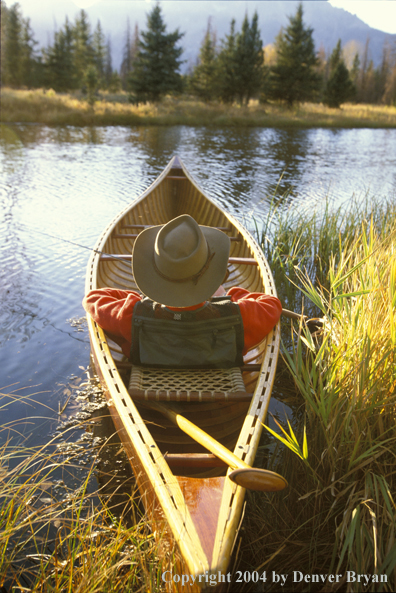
[249,368]
[192,460]
[134,236]
[225,229]
[190,396]
[247,261]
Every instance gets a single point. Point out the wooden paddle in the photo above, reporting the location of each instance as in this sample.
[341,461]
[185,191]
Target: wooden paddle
[242,474]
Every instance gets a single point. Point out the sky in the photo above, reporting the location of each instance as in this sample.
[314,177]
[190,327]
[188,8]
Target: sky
[380,14]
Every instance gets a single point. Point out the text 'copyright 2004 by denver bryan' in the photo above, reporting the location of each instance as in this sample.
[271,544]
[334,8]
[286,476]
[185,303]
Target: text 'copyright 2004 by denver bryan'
[296,576]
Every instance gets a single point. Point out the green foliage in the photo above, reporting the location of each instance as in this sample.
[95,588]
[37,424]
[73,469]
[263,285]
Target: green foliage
[91,80]
[20,65]
[129,54]
[339,87]
[156,68]
[83,51]
[74,52]
[235,72]
[226,66]
[294,77]
[100,53]
[61,75]
[203,81]
[249,61]
[11,61]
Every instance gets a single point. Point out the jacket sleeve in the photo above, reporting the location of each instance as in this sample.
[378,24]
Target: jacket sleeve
[260,313]
[112,309]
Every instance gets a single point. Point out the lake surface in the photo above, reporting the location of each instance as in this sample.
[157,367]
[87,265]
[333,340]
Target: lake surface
[68,183]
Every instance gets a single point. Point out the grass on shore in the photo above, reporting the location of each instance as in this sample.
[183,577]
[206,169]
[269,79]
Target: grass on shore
[339,456]
[50,108]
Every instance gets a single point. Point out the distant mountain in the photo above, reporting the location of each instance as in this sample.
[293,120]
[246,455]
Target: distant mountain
[191,16]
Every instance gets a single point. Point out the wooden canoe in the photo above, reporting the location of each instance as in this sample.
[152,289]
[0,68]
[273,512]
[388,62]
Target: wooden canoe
[195,509]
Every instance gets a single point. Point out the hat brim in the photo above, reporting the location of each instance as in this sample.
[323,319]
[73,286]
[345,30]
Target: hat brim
[179,294]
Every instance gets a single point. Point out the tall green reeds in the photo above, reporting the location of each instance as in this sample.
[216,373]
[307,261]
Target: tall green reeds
[339,450]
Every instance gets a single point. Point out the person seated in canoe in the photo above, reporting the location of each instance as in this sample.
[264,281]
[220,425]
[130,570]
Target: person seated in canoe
[182,317]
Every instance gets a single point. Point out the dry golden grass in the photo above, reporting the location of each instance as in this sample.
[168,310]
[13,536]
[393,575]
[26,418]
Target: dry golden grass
[55,538]
[48,107]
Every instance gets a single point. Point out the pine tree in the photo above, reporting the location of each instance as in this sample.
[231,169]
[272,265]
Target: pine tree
[227,67]
[99,53]
[129,54]
[3,36]
[11,59]
[20,65]
[203,80]
[83,54]
[91,84]
[294,77]
[30,75]
[384,72]
[339,87]
[249,61]
[156,68]
[108,66]
[354,74]
[126,65]
[389,96]
[59,60]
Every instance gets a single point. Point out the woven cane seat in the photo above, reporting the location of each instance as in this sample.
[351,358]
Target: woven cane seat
[187,385]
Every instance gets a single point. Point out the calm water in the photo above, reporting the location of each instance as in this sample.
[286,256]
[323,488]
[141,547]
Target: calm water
[69,183]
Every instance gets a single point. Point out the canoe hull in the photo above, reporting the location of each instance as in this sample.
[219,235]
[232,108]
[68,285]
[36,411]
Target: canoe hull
[195,509]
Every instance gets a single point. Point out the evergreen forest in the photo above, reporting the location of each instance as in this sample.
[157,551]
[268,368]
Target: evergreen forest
[234,69]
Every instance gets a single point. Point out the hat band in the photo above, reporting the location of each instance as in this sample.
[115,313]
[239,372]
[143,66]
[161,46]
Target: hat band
[194,277]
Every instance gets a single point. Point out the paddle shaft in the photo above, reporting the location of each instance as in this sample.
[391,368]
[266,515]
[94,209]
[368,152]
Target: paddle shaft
[292,315]
[314,324]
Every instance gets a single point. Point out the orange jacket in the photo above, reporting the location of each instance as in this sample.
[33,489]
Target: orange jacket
[112,309]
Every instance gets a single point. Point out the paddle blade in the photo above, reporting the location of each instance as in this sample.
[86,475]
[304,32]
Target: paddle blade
[258,479]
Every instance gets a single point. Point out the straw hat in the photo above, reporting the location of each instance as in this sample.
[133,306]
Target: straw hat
[180,264]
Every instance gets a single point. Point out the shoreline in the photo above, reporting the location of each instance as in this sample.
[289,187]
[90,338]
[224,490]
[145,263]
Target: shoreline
[56,109]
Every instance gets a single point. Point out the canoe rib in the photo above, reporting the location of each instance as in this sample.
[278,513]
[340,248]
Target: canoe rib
[200,509]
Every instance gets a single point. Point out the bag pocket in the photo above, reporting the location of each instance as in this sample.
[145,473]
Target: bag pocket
[188,346]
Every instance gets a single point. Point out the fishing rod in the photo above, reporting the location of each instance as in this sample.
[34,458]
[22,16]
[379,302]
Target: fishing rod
[109,255]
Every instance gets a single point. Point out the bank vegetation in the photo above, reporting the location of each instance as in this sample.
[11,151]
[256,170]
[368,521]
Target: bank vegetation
[51,108]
